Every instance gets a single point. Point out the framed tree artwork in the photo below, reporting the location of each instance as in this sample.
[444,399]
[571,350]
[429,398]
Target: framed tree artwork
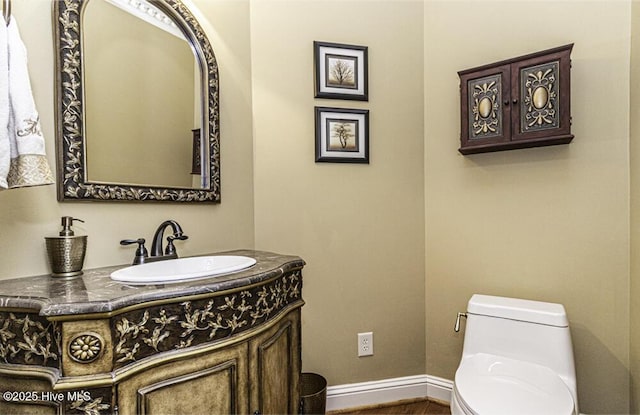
[341,71]
[342,135]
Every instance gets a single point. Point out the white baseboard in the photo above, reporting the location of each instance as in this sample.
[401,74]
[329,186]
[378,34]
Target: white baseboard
[388,390]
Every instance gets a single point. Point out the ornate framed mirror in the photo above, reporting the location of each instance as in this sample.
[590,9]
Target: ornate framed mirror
[137,103]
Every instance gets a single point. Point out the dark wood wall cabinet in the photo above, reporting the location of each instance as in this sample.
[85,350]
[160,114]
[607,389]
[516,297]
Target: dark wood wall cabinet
[517,103]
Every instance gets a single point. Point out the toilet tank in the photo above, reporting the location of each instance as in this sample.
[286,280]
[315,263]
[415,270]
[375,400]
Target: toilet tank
[531,331]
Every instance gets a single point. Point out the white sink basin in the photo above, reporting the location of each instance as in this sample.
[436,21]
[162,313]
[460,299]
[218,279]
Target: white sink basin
[182,269]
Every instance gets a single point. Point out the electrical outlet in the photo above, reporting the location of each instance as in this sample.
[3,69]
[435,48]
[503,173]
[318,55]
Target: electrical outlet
[365,344]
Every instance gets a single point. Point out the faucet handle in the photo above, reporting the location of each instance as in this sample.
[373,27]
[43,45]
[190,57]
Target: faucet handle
[171,249]
[141,251]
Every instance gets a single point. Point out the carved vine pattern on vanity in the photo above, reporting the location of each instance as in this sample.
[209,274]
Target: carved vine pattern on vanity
[157,329]
[71,117]
[29,339]
[98,402]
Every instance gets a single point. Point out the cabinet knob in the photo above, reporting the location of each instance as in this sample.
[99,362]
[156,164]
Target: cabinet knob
[506,102]
[256,413]
[515,100]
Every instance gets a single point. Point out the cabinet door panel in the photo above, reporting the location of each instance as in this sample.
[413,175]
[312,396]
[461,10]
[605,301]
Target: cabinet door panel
[31,408]
[485,106]
[23,404]
[275,368]
[175,395]
[542,88]
[172,388]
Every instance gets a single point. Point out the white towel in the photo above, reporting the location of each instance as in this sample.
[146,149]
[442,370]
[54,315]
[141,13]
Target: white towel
[29,165]
[5,152]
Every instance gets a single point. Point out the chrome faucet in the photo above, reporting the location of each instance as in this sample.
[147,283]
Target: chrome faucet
[157,253]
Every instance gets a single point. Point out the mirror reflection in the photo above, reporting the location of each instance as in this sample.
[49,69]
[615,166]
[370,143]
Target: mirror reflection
[138,107]
[140,100]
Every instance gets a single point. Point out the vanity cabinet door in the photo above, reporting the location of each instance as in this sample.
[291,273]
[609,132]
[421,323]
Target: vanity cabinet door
[25,396]
[211,383]
[275,365]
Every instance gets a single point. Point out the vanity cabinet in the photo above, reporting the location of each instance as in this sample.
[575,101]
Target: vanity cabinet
[517,103]
[228,345]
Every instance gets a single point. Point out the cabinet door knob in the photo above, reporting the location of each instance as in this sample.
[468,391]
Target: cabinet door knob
[256,413]
[506,102]
[515,100]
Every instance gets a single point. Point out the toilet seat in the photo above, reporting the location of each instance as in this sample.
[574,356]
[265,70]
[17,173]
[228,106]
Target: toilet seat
[495,385]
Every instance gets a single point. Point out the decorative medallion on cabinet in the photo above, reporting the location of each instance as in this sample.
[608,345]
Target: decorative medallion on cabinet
[517,103]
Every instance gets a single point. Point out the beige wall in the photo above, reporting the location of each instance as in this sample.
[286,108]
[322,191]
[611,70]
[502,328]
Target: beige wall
[28,215]
[550,224]
[635,210]
[359,227]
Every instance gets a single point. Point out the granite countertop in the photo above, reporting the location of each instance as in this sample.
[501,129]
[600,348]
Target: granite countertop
[96,292]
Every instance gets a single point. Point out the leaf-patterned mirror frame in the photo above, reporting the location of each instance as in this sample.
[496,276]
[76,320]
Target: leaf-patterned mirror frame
[73,184]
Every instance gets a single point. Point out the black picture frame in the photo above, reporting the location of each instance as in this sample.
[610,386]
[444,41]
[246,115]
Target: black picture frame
[341,71]
[342,135]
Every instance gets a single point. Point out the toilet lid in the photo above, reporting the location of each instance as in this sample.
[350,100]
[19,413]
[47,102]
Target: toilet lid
[496,385]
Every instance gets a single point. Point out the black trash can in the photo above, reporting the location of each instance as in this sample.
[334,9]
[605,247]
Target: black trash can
[313,394]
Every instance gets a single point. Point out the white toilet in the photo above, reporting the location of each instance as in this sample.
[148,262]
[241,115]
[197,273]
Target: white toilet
[517,358]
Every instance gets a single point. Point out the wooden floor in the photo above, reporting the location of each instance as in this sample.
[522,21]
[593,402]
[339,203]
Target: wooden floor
[408,407]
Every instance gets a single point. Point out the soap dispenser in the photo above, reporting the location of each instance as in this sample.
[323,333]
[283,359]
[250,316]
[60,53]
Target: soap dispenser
[66,252]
